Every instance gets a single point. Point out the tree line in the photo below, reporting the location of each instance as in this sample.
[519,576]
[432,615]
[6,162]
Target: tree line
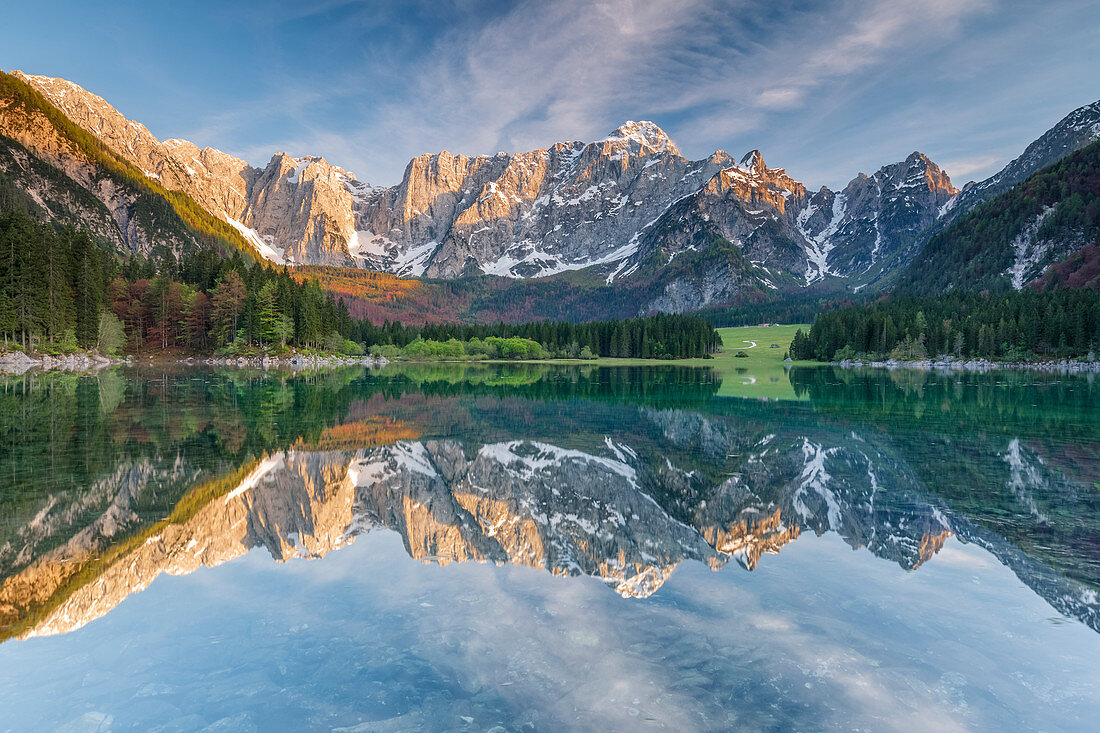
[661,336]
[1014,325]
[59,291]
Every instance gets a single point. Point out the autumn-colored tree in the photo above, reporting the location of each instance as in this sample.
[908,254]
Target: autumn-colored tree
[197,320]
[166,301]
[228,300]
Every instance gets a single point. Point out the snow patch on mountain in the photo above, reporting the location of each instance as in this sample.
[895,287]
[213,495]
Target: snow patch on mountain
[530,458]
[820,245]
[267,251]
[267,465]
[815,479]
[1028,252]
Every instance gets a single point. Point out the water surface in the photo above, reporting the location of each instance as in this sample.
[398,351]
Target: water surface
[544,548]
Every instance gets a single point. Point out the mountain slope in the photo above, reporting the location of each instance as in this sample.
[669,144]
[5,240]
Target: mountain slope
[571,206]
[619,226]
[531,214]
[786,239]
[29,184]
[615,204]
[147,217]
[1009,240]
[296,209]
[1079,128]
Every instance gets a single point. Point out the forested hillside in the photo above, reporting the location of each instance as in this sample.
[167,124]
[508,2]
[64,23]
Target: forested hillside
[1009,240]
[59,292]
[1064,323]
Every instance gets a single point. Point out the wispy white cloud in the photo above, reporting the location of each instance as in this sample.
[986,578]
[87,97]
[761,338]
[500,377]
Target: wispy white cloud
[574,70]
[825,90]
[962,167]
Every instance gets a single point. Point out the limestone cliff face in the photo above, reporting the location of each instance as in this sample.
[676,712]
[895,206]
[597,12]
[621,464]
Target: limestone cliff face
[630,204]
[216,180]
[302,209]
[56,174]
[566,207]
[294,210]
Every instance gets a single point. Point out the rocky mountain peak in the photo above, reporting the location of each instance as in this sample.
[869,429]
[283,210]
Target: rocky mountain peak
[753,162]
[754,182]
[917,170]
[648,135]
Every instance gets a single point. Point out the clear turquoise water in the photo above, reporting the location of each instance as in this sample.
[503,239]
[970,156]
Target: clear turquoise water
[543,548]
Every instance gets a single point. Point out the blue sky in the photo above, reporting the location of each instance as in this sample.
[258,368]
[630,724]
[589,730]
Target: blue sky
[824,89]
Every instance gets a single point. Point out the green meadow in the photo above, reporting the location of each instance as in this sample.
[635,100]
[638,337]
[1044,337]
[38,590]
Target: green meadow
[760,372]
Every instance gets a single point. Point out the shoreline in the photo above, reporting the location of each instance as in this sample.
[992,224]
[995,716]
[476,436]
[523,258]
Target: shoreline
[1063,366]
[15,363]
[18,362]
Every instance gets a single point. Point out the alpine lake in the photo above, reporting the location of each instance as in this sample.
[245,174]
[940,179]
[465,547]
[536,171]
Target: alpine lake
[539,547]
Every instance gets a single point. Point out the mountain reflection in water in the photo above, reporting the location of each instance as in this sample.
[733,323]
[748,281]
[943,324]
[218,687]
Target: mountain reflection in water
[619,474]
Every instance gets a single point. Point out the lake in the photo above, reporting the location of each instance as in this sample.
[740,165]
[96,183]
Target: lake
[534,547]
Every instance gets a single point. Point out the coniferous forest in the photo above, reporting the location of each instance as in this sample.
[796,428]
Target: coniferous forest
[60,292]
[1014,325]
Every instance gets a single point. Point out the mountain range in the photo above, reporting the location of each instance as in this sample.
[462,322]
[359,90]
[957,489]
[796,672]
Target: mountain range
[617,226]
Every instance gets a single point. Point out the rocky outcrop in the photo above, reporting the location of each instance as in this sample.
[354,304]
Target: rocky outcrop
[17,362]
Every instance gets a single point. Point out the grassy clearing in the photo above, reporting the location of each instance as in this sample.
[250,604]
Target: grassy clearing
[761,372]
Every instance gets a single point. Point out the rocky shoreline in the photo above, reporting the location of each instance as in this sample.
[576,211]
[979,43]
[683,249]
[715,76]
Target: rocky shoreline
[1064,366]
[291,361]
[17,362]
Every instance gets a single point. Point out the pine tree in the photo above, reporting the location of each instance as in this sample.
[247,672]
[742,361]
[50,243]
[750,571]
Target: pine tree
[87,283]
